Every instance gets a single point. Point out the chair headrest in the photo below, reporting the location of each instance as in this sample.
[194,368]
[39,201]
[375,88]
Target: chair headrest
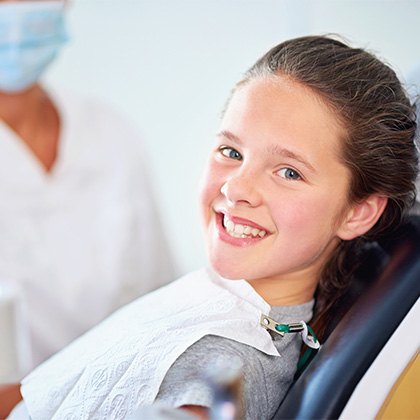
[390,285]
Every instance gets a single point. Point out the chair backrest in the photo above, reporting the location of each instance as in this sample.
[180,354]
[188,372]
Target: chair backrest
[393,267]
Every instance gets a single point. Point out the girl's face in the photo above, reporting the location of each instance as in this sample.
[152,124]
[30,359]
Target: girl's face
[275,191]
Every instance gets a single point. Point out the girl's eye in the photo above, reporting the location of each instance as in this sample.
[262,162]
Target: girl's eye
[289,174]
[230,153]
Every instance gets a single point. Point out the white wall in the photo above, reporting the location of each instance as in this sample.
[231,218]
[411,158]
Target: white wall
[169,65]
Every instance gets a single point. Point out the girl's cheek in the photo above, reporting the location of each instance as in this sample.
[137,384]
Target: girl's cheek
[294,212]
[207,189]
[211,179]
[204,180]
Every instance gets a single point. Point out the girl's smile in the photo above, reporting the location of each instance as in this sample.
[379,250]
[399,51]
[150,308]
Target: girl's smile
[238,231]
[275,192]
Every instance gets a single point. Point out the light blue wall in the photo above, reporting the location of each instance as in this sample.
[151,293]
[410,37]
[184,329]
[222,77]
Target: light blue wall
[169,65]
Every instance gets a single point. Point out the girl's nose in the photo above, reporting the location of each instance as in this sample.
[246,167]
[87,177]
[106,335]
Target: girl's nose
[239,190]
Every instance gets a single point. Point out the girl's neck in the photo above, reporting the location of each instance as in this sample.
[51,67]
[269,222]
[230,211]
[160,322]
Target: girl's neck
[293,290]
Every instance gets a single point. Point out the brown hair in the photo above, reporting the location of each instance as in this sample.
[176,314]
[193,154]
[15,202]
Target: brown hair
[379,148]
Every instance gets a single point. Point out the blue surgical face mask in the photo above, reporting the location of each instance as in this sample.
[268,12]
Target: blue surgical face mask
[31,33]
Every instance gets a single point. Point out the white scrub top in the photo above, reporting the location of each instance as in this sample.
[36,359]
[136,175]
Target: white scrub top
[85,238]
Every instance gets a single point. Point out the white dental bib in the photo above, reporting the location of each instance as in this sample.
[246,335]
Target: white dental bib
[119,365]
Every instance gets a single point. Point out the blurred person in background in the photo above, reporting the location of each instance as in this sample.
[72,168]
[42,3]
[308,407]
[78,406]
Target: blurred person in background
[80,232]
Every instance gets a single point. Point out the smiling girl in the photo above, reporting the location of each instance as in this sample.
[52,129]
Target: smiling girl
[277,169]
[314,155]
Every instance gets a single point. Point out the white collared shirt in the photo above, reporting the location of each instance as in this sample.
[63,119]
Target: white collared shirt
[85,238]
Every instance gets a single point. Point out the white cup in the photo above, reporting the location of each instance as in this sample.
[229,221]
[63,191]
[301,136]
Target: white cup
[14,335]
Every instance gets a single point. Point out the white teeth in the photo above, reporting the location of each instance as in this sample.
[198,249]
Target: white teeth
[241,231]
[230,226]
[255,232]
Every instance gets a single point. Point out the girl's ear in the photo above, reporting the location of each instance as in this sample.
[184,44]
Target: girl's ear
[361,217]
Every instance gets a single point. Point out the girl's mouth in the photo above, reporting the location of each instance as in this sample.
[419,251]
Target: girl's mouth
[237,230]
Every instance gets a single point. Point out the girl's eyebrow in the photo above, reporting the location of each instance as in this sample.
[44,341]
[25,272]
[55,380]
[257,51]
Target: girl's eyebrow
[230,136]
[281,151]
[275,149]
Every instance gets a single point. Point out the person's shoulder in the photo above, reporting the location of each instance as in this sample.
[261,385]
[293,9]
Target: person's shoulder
[66,98]
[190,373]
[260,389]
[220,348]
[213,356]
[95,113]
[265,378]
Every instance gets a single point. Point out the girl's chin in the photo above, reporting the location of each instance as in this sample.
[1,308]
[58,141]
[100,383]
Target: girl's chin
[228,271]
